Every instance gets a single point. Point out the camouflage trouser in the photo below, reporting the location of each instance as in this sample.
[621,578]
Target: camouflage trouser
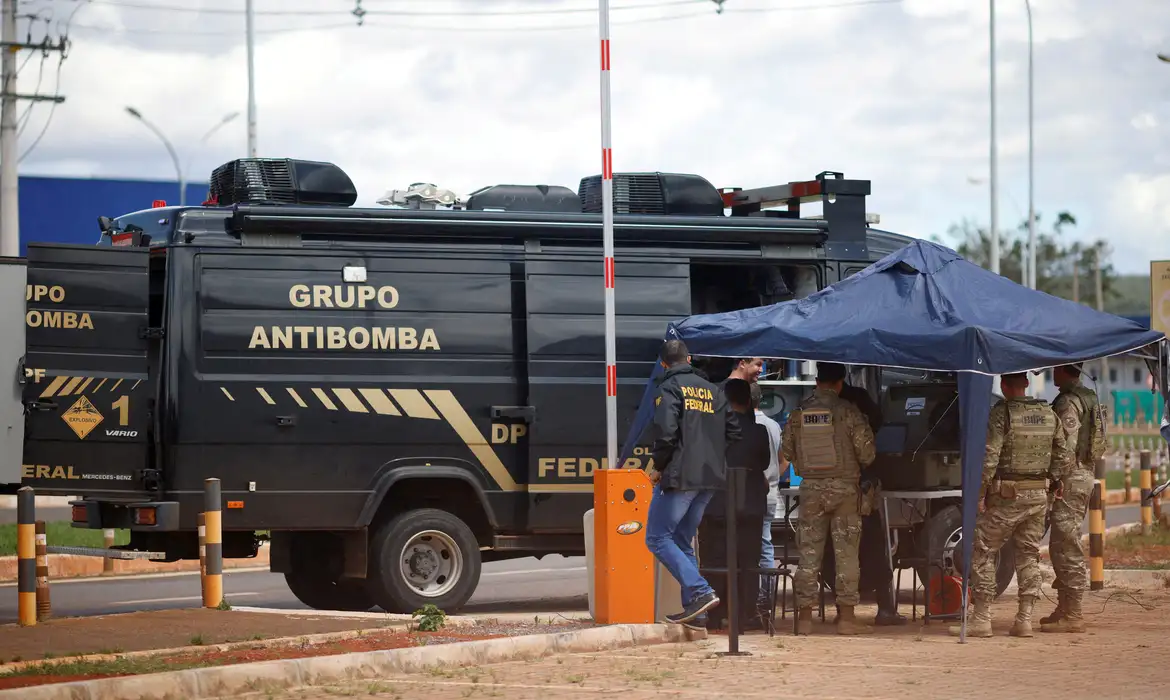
[828,506]
[1068,513]
[1021,520]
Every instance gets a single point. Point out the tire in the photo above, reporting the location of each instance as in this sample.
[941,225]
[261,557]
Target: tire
[315,575]
[942,535]
[423,557]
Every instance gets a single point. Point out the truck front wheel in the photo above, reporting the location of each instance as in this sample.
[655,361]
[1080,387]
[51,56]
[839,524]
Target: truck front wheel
[421,557]
[943,537]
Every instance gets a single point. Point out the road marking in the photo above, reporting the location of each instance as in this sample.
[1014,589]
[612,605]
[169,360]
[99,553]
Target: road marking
[522,572]
[180,599]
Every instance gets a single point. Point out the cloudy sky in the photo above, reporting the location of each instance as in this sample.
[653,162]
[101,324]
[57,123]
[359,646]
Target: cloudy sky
[476,92]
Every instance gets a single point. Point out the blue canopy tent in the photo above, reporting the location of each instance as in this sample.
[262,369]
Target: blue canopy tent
[922,307]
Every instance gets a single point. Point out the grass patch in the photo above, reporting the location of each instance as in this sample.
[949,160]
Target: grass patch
[120,666]
[61,533]
[1133,550]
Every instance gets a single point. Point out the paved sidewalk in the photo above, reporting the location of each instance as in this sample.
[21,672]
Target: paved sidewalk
[1120,658]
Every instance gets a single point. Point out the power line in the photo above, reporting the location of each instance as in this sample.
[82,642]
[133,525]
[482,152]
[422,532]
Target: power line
[704,11]
[62,54]
[395,13]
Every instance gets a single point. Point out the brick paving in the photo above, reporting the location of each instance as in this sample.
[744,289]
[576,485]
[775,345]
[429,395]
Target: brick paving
[1122,656]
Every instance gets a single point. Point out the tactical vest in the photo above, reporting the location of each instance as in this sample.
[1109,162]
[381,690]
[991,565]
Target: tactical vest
[824,449]
[1091,440]
[1029,426]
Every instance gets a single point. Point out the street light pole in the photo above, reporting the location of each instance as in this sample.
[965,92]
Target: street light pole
[227,118]
[994,174]
[250,30]
[170,149]
[1031,161]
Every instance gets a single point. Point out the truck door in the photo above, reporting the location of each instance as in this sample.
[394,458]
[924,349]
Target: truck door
[87,390]
[566,367]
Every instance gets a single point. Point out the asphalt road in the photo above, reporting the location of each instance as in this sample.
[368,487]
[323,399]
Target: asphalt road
[551,584]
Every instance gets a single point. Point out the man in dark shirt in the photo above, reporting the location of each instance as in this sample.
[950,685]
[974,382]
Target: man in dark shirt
[693,426]
[876,574]
[752,453]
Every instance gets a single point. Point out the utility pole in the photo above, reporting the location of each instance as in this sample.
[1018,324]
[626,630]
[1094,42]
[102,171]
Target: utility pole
[9,158]
[1030,265]
[250,22]
[994,166]
[1103,382]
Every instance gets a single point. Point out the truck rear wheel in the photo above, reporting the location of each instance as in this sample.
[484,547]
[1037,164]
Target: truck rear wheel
[943,535]
[423,557]
[315,575]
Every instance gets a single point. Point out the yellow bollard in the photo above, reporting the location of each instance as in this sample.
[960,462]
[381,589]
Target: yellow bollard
[202,550]
[1097,532]
[44,608]
[26,556]
[1146,486]
[213,544]
[108,543]
[1100,474]
[1128,477]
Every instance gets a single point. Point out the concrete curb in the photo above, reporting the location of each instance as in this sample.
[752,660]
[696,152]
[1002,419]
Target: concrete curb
[69,566]
[1109,532]
[1137,579]
[223,681]
[9,502]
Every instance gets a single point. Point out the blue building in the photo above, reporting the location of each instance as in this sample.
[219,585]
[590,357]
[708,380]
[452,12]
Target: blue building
[65,209]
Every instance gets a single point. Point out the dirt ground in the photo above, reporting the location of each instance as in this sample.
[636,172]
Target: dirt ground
[166,629]
[1119,658]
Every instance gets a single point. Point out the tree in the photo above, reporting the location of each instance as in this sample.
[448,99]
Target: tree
[1063,270]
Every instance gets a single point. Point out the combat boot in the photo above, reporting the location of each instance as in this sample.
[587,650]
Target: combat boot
[848,624]
[1022,627]
[1073,620]
[1058,614]
[979,623]
[804,621]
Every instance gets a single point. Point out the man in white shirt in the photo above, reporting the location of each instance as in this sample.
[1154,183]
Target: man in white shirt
[767,553]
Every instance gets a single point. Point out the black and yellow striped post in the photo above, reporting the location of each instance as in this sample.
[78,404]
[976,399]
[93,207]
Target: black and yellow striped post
[44,608]
[26,556]
[1097,531]
[1128,475]
[202,550]
[213,544]
[1147,484]
[1100,470]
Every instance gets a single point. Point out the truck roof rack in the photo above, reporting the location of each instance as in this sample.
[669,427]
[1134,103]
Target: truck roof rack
[842,200]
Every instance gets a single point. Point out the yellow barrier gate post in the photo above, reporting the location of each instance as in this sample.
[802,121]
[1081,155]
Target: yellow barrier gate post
[1097,531]
[44,608]
[1147,485]
[213,544]
[26,556]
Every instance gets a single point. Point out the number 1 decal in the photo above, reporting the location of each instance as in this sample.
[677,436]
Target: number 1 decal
[122,405]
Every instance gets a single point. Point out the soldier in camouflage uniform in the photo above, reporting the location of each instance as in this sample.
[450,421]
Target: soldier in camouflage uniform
[828,440]
[1025,448]
[1078,410]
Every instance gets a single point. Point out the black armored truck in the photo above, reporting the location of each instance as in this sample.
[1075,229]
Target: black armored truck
[392,395]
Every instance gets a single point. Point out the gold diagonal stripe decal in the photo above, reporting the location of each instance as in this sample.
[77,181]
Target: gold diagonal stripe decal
[297,397]
[378,400]
[119,383]
[454,414]
[71,386]
[87,382]
[53,387]
[99,386]
[413,403]
[324,398]
[264,395]
[227,393]
[350,400]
